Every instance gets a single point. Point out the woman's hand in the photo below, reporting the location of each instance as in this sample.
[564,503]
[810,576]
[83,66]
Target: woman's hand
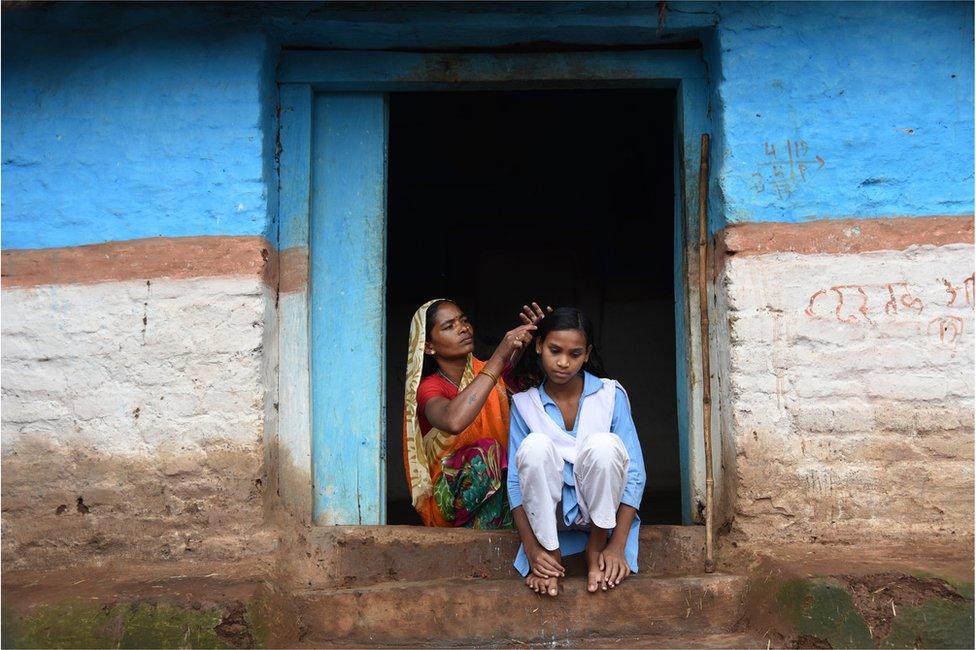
[532,315]
[514,342]
[614,564]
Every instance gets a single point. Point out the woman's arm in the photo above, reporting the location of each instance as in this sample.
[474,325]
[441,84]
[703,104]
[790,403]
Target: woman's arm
[455,415]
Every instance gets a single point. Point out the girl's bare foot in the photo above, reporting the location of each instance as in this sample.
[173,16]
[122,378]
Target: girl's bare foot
[596,578]
[543,585]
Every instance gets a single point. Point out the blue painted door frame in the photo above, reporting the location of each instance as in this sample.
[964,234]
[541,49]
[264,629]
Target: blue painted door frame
[343,111]
[347,258]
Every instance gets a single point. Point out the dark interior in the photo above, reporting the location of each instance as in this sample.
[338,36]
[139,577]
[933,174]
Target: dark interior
[565,197]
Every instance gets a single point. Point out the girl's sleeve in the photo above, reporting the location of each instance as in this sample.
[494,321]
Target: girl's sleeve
[623,425]
[517,430]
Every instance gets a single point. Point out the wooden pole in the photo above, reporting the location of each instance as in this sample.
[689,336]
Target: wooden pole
[706,373]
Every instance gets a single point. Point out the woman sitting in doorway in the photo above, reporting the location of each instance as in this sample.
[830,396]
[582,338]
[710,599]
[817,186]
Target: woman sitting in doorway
[455,430]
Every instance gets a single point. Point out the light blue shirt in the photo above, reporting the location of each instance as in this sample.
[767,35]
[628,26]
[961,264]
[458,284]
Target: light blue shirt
[622,424]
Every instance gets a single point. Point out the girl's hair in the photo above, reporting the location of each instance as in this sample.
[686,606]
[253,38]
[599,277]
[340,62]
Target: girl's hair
[430,364]
[529,372]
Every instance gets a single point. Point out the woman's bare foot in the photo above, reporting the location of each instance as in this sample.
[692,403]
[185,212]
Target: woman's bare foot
[596,578]
[543,585]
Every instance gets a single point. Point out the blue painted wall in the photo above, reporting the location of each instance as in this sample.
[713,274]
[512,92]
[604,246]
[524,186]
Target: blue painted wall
[132,121]
[139,132]
[881,92]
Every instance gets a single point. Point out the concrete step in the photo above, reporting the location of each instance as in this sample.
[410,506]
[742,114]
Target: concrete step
[356,556]
[505,612]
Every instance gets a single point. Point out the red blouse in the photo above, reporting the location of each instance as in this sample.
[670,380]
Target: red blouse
[431,386]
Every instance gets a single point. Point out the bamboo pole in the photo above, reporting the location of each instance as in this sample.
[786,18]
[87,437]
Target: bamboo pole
[706,373]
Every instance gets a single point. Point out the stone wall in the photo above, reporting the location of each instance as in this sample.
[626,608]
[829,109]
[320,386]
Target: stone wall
[850,392]
[133,421]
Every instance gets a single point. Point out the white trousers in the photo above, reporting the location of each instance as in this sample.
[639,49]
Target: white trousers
[600,472]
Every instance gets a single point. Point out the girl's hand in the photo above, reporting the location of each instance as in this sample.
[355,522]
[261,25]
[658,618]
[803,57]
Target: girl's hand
[614,565]
[532,315]
[515,341]
[543,563]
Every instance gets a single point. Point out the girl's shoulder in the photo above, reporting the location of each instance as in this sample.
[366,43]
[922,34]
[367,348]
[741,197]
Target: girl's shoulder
[526,400]
[613,383]
[525,394]
[606,381]
[615,386]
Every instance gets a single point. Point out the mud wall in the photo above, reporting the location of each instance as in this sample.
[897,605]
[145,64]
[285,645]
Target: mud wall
[850,389]
[139,123]
[133,419]
[845,339]
[140,286]
[139,349]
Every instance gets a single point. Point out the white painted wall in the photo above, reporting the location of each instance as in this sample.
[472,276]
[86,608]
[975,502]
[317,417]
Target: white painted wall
[850,403]
[147,401]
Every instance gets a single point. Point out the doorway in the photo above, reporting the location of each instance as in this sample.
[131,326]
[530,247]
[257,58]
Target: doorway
[560,196]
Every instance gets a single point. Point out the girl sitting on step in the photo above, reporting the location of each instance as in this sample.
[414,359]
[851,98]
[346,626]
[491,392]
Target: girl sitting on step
[578,473]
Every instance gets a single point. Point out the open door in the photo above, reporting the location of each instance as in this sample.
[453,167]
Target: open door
[347,244]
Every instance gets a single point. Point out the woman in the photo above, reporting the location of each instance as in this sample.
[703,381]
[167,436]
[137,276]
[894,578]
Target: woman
[456,418]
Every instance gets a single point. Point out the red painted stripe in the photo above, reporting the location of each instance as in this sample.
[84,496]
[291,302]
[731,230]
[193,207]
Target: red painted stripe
[202,257]
[293,269]
[845,235]
[142,259]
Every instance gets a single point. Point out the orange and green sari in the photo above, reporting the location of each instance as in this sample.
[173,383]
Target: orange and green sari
[455,480]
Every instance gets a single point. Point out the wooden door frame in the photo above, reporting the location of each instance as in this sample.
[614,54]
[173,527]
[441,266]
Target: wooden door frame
[304,384]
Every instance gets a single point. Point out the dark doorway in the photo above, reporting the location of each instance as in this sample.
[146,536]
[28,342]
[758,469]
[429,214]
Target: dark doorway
[565,197]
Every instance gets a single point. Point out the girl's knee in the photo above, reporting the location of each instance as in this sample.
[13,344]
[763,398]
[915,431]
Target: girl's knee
[535,451]
[603,448]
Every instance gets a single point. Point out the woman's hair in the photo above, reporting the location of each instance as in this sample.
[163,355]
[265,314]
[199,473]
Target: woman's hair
[430,363]
[529,372]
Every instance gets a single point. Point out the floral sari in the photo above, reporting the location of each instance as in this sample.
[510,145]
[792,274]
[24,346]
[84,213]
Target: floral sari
[455,480]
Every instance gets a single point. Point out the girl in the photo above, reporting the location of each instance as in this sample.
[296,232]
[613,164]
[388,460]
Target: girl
[456,418]
[579,472]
